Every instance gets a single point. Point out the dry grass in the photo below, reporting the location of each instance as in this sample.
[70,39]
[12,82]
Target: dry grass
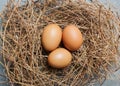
[25,60]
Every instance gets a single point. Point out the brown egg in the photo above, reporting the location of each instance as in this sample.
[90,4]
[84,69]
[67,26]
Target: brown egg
[51,37]
[59,58]
[72,37]
[12,59]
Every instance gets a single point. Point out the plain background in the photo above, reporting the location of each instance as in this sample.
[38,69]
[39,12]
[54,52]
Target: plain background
[114,80]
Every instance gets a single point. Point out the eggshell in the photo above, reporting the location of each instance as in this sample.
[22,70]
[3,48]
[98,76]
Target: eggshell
[59,58]
[72,37]
[51,37]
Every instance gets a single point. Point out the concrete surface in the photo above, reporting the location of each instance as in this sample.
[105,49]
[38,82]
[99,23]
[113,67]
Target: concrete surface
[114,80]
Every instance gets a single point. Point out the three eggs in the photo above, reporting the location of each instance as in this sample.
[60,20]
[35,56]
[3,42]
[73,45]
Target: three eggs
[51,38]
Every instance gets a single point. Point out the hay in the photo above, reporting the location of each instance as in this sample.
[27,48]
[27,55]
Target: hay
[25,60]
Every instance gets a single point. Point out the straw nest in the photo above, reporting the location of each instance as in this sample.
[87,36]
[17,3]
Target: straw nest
[25,60]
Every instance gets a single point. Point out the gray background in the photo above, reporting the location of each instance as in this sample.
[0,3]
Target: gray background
[114,80]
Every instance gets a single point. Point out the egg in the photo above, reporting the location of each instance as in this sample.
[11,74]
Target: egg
[59,58]
[51,37]
[72,37]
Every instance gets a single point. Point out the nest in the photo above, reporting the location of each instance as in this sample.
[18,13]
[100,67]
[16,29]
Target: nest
[25,60]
